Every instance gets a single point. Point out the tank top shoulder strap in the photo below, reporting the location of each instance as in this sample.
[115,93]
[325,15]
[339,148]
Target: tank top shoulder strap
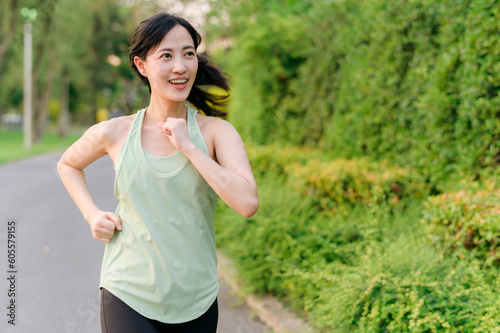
[195,131]
[128,143]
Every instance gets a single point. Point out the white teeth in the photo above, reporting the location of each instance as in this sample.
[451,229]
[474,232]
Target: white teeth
[178,81]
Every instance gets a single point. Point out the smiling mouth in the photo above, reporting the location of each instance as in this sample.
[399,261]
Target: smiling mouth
[178,81]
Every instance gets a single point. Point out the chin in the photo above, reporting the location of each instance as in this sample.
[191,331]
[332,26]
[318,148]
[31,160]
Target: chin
[179,98]
[176,96]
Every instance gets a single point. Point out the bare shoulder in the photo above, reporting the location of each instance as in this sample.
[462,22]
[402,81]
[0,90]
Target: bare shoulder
[116,126]
[220,136]
[115,132]
[213,125]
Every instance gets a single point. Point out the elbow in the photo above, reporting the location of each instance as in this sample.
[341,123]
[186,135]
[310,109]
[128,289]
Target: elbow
[250,208]
[63,168]
[60,167]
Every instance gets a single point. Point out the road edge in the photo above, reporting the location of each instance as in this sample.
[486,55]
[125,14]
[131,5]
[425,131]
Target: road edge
[268,309]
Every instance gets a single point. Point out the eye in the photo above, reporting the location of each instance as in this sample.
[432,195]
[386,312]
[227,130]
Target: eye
[190,54]
[166,55]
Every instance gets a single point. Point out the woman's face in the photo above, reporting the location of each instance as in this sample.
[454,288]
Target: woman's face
[171,68]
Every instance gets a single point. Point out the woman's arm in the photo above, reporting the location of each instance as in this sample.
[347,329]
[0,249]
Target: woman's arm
[231,176]
[90,147]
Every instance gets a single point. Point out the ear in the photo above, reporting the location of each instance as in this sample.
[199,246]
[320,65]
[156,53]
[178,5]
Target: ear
[140,64]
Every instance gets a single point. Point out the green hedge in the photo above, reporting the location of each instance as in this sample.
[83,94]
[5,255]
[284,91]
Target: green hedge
[275,159]
[415,81]
[355,181]
[390,101]
[360,263]
[466,224]
[453,300]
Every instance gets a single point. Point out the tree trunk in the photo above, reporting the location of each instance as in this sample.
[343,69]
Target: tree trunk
[64,114]
[42,102]
[6,37]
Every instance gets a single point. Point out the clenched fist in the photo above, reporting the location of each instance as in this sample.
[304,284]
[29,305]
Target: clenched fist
[103,225]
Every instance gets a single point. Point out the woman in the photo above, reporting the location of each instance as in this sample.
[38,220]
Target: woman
[159,269]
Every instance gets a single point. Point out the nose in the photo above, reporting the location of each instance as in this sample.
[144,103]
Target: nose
[179,65]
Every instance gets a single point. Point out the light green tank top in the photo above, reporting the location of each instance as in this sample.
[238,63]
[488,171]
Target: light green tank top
[163,264]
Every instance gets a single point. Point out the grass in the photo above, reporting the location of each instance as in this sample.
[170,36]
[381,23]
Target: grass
[12,148]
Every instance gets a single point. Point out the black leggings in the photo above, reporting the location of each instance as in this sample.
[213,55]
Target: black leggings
[118,317]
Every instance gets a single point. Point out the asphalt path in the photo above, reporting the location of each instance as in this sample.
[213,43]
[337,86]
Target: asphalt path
[50,284]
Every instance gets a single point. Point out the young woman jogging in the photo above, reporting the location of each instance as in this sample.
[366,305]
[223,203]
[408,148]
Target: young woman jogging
[159,271]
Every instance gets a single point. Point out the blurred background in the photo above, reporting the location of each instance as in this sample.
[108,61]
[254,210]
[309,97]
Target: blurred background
[373,128]
[80,59]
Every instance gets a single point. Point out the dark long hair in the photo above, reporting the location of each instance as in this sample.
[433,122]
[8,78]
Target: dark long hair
[148,35]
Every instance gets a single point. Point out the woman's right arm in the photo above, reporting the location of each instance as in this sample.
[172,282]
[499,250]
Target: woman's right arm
[90,147]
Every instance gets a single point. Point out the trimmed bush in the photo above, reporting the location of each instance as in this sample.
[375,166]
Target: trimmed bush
[375,85]
[363,266]
[274,159]
[356,181]
[466,224]
[451,300]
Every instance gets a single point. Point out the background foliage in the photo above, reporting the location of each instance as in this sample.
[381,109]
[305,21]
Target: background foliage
[80,57]
[386,217]
[414,81]
[373,130]
[339,245]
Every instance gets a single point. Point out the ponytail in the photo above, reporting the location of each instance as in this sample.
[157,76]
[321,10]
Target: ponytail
[202,99]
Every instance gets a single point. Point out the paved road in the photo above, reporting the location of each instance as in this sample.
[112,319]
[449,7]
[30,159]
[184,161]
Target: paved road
[57,262]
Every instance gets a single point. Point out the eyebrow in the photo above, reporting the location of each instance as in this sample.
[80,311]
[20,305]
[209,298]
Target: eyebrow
[187,47]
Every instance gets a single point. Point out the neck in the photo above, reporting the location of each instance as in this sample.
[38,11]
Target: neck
[160,111]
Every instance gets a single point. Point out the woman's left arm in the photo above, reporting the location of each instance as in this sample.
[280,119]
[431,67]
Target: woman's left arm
[230,176]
